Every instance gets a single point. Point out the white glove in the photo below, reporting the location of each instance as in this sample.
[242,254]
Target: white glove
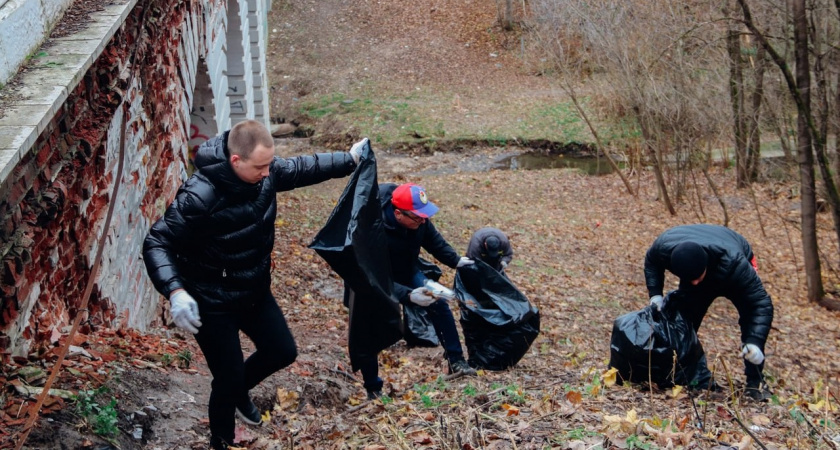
[464,261]
[752,353]
[185,311]
[657,301]
[356,150]
[504,265]
[420,296]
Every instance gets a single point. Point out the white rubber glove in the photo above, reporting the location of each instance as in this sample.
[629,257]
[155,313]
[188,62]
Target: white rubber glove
[185,311]
[464,261]
[752,353]
[356,150]
[657,301]
[420,296]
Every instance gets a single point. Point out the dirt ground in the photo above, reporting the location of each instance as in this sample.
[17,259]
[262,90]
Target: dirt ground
[579,243]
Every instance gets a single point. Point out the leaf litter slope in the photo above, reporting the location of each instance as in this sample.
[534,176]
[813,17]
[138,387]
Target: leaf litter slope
[579,243]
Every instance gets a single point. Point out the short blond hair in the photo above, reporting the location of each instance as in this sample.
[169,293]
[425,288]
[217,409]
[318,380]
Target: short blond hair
[245,136]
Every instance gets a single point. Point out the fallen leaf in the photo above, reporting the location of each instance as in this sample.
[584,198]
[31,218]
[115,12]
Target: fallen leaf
[609,377]
[676,390]
[511,410]
[287,400]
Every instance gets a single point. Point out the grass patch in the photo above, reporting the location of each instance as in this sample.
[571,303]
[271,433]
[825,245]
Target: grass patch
[101,417]
[428,114]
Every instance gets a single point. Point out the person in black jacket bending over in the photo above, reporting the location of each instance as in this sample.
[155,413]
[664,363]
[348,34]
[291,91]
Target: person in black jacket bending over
[406,216]
[492,246]
[713,261]
[210,255]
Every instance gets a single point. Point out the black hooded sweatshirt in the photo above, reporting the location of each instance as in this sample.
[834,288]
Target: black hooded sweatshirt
[404,245]
[215,239]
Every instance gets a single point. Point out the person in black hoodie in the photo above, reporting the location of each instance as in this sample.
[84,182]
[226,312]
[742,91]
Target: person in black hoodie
[210,255]
[713,261]
[406,217]
[492,246]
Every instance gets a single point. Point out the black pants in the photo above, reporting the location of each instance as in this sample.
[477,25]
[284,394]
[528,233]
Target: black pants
[444,323]
[233,376]
[693,307]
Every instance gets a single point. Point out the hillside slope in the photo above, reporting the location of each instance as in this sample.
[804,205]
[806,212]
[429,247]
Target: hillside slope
[370,67]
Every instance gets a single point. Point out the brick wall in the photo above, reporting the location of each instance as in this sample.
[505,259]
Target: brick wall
[54,202]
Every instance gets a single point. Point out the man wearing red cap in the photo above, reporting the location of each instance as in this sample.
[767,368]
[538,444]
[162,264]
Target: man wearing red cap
[406,214]
[713,261]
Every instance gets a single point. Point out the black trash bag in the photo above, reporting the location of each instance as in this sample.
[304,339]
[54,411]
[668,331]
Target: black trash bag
[644,344]
[498,321]
[418,328]
[348,243]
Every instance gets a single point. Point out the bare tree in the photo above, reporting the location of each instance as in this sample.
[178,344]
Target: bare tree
[560,43]
[505,13]
[800,89]
[654,63]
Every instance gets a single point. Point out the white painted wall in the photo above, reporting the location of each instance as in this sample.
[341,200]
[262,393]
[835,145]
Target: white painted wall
[24,25]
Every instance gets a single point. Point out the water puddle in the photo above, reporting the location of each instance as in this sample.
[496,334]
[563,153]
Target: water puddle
[537,161]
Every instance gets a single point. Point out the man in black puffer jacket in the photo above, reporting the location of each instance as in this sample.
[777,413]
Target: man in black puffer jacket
[210,255]
[713,261]
[406,217]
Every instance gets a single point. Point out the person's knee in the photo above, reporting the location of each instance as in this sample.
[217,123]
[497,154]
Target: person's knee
[225,384]
[440,308]
[281,354]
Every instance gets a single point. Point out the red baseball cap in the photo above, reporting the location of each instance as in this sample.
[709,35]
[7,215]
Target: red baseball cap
[412,198]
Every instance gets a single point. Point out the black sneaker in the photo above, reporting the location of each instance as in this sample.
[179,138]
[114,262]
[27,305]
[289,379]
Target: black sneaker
[249,413]
[217,443]
[461,366]
[760,393]
[711,386]
[373,395]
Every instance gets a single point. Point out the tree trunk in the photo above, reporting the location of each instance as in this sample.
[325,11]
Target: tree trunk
[804,150]
[800,89]
[736,97]
[820,137]
[836,126]
[754,123]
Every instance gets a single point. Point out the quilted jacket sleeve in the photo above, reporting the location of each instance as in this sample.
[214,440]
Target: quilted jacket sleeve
[655,269]
[755,308]
[291,173]
[174,230]
[435,244]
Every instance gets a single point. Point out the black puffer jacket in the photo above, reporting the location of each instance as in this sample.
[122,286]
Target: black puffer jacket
[404,245]
[729,274]
[215,239]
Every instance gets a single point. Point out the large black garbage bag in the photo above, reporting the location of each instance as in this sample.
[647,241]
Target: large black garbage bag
[645,343]
[352,243]
[498,321]
[418,328]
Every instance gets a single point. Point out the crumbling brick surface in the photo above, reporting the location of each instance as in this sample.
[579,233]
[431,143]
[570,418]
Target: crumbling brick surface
[54,204]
